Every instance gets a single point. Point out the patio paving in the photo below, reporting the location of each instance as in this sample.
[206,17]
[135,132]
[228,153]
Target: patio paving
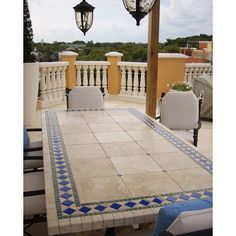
[204,145]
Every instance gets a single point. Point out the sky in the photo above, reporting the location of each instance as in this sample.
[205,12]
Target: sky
[54,20]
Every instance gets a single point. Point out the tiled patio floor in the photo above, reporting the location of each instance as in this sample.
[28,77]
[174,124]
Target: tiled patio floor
[204,145]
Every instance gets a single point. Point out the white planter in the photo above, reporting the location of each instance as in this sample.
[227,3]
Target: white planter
[31,84]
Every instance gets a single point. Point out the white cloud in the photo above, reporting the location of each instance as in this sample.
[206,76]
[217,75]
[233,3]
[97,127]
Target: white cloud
[53,20]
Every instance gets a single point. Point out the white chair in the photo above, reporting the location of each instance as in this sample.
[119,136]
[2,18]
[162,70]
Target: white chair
[33,151]
[185,218]
[85,97]
[34,199]
[180,111]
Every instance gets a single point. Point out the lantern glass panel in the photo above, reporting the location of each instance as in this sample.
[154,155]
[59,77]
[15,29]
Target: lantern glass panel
[84,20]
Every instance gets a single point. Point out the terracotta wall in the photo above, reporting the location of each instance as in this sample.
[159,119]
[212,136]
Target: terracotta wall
[170,70]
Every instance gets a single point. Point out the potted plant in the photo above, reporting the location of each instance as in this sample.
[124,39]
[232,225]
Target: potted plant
[179,86]
[31,70]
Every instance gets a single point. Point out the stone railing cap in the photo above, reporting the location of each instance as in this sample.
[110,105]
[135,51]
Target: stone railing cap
[172,55]
[68,53]
[114,54]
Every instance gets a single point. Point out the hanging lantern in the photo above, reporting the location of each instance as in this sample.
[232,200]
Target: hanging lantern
[84,16]
[138,8]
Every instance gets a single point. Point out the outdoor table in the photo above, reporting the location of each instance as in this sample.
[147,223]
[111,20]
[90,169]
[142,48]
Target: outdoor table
[115,167]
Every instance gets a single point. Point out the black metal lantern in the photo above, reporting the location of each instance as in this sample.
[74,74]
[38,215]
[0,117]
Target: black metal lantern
[84,16]
[138,8]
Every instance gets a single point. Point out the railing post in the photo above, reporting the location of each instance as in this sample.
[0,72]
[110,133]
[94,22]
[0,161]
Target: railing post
[71,70]
[114,73]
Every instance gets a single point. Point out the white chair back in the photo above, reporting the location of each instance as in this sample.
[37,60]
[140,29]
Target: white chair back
[85,97]
[180,110]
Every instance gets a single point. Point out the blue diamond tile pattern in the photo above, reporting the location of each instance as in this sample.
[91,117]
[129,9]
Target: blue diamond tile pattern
[66,195]
[69,211]
[144,202]
[157,200]
[196,195]
[171,199]
[184,197]
[100,208]
[67,202]
[65,189]
[115,206]
[130,204]
[85,209]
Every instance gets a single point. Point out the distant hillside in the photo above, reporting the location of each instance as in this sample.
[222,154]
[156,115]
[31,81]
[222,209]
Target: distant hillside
[135,52]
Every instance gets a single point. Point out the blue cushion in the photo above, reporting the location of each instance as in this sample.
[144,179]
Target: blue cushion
[169,213]
[26,139]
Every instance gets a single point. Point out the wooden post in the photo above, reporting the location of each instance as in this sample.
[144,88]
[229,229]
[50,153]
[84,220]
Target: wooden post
[152,62]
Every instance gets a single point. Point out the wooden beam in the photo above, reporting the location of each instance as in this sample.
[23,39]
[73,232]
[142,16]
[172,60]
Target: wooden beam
[152,62]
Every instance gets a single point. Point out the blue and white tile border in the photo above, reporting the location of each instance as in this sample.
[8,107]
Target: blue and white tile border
[67,197]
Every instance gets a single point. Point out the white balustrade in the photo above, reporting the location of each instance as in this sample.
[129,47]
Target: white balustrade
[52,83]
[133,78]
[92,73]
[193,70]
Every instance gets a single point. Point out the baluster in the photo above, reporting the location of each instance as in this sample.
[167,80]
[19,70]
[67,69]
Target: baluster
[104,79]
[91,75]
[97,80]
[85,78]
[59,83]
[63,82]
[53,83]
[48,84]
[142,82]
[78,77]
[42,85]
[123,80]
[129,82]
[135,91]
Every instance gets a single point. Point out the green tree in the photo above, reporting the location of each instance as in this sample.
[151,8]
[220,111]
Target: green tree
[28,35]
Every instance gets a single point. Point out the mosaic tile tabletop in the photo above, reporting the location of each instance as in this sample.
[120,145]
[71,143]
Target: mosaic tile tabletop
[115,167]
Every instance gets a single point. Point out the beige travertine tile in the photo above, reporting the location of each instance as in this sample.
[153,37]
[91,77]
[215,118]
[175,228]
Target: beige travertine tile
[87,223]
[119,219]
[112,137]
[134,125]
[81,138]
[53,227]
[64,225]
[97,222]
[129,217]
[94,113]
[73,119]
[123,119]
[139,135]
[150,184]
[109,127]
[118,112]
[135,164]
[174,161]
[75,128]
[157,146]
[122,149]
[208,154]
[102,189]
[108,220]
[138,216]
[75,223]
[192,179]
[99,119]
[69,114]
[85,151]
[91,168]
